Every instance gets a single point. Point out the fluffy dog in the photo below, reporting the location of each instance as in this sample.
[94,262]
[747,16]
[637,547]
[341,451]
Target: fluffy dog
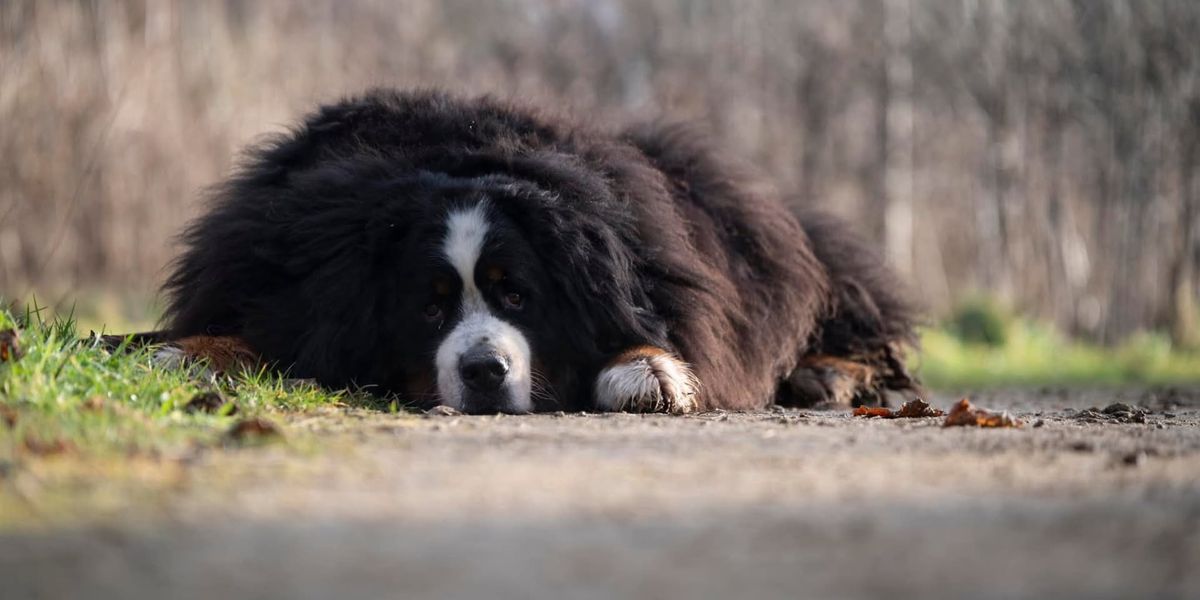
[490,257]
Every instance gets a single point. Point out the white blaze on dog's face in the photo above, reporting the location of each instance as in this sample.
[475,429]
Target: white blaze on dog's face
[484,363]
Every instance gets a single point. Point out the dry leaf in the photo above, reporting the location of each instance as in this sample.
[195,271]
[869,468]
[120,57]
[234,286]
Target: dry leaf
[10,345]
[874,411]
[962,414]
[918,409]
[913,409]
[40,447]
[8,415]
[253,430]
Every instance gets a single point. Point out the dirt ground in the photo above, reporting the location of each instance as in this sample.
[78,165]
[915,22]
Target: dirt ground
[781,504]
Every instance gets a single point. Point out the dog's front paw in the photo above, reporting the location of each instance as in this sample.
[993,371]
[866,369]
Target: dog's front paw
[217,354]
[646,379]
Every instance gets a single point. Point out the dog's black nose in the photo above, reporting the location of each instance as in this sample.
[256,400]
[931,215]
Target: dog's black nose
[483,370]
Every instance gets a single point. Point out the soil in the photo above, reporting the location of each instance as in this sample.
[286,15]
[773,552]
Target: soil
[1097,495]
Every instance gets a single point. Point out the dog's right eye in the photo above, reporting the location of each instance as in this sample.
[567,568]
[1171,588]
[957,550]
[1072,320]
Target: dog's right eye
[433,312]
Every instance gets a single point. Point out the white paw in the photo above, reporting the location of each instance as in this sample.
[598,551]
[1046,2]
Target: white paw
[168,357]
[174,358]
[646,380]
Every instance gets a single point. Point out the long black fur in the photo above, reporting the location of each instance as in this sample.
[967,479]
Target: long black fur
[650,237]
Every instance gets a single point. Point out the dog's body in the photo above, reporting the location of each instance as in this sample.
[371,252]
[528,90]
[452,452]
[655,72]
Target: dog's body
[487,257]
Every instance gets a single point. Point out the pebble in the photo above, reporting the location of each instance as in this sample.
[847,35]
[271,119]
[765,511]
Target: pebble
[442,411]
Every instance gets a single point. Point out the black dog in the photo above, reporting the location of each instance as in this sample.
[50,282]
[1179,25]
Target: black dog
[489,257]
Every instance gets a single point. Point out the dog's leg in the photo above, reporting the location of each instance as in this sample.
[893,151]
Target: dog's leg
[219,353]
[829,381]
[646,379]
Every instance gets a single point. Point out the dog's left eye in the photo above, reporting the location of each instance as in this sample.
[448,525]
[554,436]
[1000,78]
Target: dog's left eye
[433,312]
[513,300]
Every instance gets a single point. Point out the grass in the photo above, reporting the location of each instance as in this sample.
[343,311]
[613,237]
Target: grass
[83,430]
[63,386]
[1037,355]
[71,411]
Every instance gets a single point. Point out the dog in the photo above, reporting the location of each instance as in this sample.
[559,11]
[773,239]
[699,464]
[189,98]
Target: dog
[491,257]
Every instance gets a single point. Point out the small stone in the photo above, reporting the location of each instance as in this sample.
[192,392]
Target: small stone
[1082,446]
[1116,408]
[442,410]
[1131,459]
[1039,423]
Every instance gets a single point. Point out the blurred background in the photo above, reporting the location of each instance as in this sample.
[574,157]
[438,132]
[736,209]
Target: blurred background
[1031,160]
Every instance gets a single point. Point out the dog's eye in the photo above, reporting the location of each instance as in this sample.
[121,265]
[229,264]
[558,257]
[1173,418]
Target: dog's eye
[513,300]
[433,312]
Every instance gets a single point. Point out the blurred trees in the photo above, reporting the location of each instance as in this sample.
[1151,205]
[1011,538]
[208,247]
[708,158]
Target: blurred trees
[1041,151]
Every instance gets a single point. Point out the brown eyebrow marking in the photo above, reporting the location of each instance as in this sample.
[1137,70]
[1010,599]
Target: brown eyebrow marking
[441,287]
[494,274]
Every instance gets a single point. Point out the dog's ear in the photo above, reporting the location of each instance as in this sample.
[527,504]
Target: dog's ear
[569,215]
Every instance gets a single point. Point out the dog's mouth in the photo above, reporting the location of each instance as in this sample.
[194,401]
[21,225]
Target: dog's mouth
[483,367]
[474,404]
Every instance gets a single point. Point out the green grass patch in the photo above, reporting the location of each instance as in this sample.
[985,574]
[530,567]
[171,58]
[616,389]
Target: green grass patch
[67,395]
[1029,354]
[83,429]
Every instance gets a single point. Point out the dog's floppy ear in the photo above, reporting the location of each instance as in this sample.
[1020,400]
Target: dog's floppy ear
[266,228]
[569,215]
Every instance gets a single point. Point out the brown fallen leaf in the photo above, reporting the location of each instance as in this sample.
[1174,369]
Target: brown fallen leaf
[8,415]
[918,409]
[874,411]
[913,409]
[40,447]
[10,345]
[95,404]
[962,414]
[253,430]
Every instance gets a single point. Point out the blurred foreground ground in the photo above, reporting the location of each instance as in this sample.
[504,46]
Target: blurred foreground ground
[778,504]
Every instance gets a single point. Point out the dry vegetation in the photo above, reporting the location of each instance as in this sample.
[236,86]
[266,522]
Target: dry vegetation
[1040,151]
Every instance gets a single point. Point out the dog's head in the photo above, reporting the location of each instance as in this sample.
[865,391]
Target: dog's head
[469,316]
[483,293]
[482,311]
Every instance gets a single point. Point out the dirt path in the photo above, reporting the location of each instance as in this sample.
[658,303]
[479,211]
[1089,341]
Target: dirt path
[779,504]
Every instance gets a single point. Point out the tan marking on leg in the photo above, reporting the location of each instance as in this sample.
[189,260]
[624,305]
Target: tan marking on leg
[845,381]
[223,354]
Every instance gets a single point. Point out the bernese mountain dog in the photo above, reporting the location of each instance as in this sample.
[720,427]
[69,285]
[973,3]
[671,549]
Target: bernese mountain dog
[490,257]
